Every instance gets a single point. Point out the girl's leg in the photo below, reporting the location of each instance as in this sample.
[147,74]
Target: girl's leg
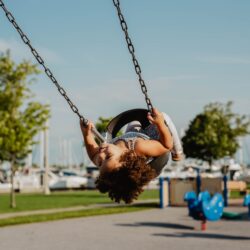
[177,148]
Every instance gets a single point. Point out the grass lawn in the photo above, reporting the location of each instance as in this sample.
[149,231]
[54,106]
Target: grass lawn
[28,202]
[74,214]
[237,195]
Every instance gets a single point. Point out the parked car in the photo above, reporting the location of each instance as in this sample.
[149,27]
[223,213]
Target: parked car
[62,182]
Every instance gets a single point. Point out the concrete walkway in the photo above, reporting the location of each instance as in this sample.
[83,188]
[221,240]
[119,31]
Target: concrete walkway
[155,229]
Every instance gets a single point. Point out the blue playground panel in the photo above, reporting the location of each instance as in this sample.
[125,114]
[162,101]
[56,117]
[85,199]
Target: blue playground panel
[246,203]
[204,207]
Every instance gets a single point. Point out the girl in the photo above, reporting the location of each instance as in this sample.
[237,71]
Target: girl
[124,162]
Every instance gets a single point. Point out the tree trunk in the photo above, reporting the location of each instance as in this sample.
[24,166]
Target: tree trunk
[12,191]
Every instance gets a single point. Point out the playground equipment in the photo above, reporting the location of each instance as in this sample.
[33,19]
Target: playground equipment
[246,203]
[172,190]
[204,207]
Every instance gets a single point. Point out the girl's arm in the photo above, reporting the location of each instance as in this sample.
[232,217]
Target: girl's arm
[149,148]
[152,147]
[89,140]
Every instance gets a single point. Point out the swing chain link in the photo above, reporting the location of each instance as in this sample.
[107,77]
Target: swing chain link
[131,49]
[41,62]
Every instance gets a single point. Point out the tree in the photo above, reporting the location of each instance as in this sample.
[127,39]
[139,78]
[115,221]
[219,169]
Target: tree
[102,124]
[213,134]
[20,117]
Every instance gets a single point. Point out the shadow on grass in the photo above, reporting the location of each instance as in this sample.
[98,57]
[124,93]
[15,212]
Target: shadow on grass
[158,224]
[205,236]
[146,204]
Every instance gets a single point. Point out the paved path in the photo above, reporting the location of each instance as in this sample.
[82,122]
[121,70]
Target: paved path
[155,229]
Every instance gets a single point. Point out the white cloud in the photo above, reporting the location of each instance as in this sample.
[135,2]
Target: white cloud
[110,98]
[49,55]
[15,47]
[19,51]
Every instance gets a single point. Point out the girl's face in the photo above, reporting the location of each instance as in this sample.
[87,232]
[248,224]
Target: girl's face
[108,157]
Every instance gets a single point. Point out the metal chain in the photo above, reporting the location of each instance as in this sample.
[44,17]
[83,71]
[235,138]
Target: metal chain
[132,52]
[41,62]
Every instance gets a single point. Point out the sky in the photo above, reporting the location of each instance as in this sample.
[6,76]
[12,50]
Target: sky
[191,53]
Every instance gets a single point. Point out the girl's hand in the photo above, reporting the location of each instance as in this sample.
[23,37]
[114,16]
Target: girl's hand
[86,130]
[156,117]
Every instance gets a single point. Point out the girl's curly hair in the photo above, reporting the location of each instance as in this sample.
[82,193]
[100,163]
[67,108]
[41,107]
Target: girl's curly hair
[126,182]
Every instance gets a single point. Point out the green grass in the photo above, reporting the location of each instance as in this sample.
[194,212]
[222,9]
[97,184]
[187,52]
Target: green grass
[237,195]
[30,202]
[73,214]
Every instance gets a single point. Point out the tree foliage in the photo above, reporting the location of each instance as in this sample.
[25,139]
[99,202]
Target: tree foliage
[213,134]
[21,118]
[102,124]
